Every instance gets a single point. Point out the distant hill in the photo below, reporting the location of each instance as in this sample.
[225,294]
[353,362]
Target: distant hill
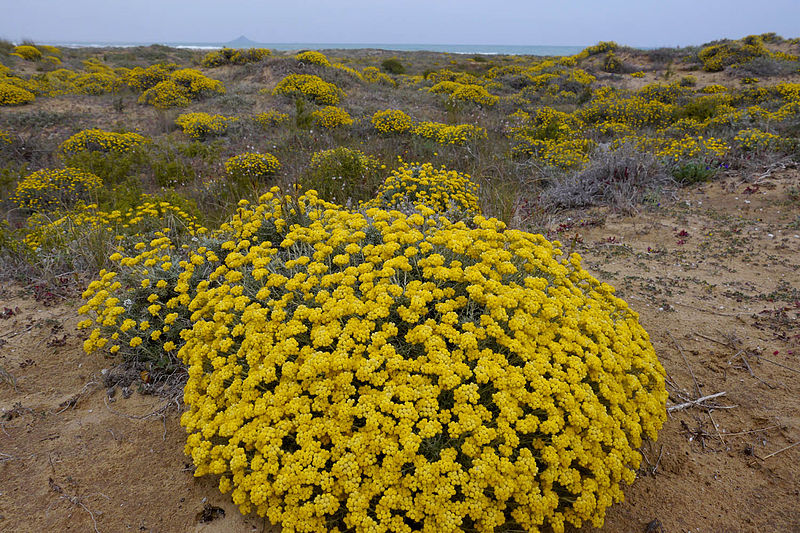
[241,42]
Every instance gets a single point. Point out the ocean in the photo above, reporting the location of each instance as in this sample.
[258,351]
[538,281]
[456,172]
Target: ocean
[488,49]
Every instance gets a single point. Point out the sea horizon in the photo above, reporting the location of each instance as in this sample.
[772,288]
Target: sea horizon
[483,49]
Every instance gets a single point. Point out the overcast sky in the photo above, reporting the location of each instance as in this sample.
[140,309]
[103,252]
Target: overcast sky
[517,22]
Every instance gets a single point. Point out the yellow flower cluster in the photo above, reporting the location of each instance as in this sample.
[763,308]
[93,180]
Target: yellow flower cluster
[234,56]
[165,94]
[96,140]
[391,121]
[758,141]
[330,117]
[50,189]
[637,74]
[349,70]
[476,94]
[203,125]
[559,153]
[178,88]
[313,57]
[310,87]
[337,162]
[142,79]
[139,309]
[381,372]
[252,166]
[374,75]
[687,147]
[124,227]
[460,134]
[28,52]
[270,118]
[5,137]
[13,95]
[716,57]
[414,185]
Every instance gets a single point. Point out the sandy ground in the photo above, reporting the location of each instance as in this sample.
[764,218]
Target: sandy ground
[715,277]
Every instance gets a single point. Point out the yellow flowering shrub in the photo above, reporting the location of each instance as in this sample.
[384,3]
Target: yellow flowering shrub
[349,70]
[28,52]
[5,137]
[202,125]
[414,185]
[96,140]
[13,95]
[758,141]
[166,94]
[234,56]
[374,75]
[165,87]
[96,83]
[563,153]
[270,118]
[50,189]
[313,57]
[341,175]
[252,166]
[142,79]
[369,371]
[637,74]
[309,87]
[476,94]
[330,117]
[391,121]
[460,134]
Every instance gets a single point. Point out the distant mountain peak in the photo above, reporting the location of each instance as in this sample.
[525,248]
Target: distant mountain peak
[241,42]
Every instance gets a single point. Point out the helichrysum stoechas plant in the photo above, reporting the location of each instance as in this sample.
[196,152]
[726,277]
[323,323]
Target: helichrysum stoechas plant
[309,87]
[460,134]
[437,189]
[330,117]
[270,118]
[342,175]
[313,57]
[371,371]
[166,94]
[174,88]
[13,95]
[252,166]
[233,56]
[51,189]
[96,140]
[202,125]
[391,121]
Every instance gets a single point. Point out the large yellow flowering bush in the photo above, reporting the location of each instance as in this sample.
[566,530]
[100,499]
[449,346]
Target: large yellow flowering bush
[173,88]
[13,95]
[252,166]
[438,189]
[460,134]
[202,125]
[97,140]
[309,87]
[372,371]
[391,121]
[50,189]
[313,57]
[166,94]
[28,52]
[330,117]
[234,56]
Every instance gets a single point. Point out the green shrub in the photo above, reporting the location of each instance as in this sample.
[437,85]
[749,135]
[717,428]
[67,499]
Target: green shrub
[341,175]
[393,66]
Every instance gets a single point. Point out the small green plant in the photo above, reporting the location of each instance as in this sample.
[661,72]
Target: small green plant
[692,172]
[342,174]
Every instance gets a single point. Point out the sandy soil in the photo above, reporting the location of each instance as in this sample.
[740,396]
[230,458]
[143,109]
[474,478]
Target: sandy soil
[715,277]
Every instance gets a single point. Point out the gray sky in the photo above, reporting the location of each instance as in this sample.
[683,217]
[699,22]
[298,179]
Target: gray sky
[520,22]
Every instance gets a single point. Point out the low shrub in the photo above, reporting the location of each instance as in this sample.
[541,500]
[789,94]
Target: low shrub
[393,65]
[202,125]
[309,87]
[330,117]
[233,56]
[391,121]
[252,167]
[96,140]
[342,175]
[313,57]
[270,118]
[51,189]
[28,52]
[442,191]
[13,95]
